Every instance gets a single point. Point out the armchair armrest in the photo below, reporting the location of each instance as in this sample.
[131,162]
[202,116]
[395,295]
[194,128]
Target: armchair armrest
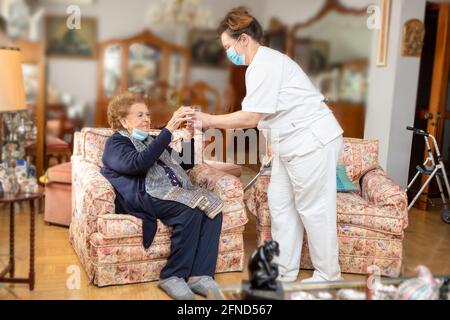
[228,188]
[92,194]
[380,190]
[224,185]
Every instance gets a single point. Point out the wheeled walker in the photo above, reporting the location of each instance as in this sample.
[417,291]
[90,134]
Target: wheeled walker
[432,169]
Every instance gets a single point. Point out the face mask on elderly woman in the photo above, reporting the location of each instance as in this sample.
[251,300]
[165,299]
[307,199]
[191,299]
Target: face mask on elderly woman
[139,134]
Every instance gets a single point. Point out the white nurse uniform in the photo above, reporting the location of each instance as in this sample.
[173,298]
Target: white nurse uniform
[306,142]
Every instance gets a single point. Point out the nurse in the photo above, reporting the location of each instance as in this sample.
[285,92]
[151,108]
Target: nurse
[281,99]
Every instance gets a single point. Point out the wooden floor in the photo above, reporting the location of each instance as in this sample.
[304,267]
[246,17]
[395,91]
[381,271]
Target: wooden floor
[427,242]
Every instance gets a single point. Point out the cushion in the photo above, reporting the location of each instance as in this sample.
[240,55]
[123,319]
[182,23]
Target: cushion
[353,210]
[93,144]
[359,156]
[55,142]
[229,168]
[106,274]
[343,182]
[123,225]
[123,250]
[61,173]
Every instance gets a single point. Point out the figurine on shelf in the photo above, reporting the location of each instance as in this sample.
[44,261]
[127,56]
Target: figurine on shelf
[263,271]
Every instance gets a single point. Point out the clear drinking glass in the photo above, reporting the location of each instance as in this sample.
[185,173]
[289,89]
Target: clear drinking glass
[191,123]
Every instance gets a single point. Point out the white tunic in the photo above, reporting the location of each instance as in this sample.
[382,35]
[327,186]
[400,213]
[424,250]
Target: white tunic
[291,107]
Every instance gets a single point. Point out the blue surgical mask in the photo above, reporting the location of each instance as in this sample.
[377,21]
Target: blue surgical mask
[234,57]
[139,134]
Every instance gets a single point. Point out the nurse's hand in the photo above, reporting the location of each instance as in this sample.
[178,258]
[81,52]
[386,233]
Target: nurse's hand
[201,119]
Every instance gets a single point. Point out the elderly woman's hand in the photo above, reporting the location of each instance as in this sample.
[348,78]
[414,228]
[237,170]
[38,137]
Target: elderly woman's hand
[179,116]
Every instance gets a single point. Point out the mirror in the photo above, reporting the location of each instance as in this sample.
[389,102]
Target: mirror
[334,50]
[143,63]
[112,69]
[143,67]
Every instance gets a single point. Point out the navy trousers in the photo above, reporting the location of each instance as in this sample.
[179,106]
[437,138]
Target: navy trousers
[194,241]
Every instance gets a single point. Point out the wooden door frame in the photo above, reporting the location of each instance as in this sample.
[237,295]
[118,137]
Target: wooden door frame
[438,95]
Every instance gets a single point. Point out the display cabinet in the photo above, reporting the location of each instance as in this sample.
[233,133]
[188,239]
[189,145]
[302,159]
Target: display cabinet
[138,64]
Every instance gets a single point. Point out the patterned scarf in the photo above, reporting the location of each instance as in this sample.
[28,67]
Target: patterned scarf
[158,185]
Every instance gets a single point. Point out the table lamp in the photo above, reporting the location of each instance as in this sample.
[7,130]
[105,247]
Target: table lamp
[12,100]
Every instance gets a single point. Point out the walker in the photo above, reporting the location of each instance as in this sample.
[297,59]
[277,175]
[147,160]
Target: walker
[432,170]
[264,168]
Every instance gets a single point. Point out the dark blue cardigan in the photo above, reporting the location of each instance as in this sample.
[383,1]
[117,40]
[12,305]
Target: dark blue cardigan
[125,168]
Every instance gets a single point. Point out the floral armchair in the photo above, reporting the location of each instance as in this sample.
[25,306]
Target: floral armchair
[371,222]
[109,245]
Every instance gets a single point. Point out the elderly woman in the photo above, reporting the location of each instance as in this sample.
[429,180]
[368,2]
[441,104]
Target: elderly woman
[151,185]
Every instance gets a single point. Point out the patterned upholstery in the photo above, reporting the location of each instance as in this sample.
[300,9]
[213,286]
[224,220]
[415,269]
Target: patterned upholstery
[109,245]
[371,222]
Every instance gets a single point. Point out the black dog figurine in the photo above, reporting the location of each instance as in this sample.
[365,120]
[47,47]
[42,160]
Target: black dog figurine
[262,270]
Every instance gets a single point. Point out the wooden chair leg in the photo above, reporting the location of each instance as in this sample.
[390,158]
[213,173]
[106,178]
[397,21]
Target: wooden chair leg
[47,161]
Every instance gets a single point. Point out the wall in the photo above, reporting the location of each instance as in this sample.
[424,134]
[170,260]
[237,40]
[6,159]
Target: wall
[392,96]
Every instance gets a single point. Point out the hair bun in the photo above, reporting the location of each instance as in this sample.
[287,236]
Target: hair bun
[239,21]
[238,18]
[242,10]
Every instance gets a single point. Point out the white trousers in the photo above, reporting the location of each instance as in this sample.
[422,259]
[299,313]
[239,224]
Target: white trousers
[302,197]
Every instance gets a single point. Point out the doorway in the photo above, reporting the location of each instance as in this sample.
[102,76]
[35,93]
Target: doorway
[433,104]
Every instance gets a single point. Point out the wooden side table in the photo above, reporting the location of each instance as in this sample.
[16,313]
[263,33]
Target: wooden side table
[10,268]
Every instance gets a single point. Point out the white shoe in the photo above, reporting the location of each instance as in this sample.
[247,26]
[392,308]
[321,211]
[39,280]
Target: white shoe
[311,280]
[315,279]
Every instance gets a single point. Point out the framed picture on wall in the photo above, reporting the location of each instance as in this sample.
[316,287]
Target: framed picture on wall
[206,49]
[75,43]
[312,55]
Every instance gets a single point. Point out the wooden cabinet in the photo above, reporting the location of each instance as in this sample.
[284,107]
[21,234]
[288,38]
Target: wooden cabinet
[351,117]
[34,70]
[433,97]
[139,64]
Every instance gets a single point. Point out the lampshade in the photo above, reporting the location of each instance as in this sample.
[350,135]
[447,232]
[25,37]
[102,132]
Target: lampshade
[12,92]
